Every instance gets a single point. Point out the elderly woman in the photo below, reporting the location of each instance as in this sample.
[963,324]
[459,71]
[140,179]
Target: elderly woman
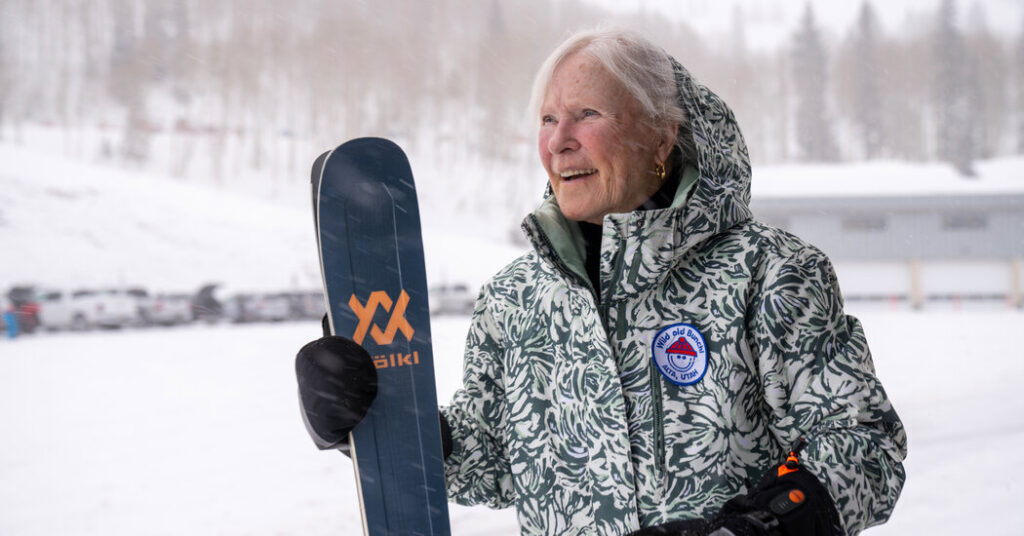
[650,363]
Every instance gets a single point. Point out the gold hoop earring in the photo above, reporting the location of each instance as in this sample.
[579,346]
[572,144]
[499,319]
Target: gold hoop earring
[659,170]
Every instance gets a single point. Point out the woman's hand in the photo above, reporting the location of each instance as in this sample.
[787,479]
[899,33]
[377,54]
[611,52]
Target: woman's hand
[788,501]
[337,384]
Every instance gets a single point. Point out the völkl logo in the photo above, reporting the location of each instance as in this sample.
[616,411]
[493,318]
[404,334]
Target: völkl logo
[365,313]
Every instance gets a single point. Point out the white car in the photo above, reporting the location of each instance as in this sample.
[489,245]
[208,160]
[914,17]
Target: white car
[257,308]
[87,309]
[167,309]
[452,299]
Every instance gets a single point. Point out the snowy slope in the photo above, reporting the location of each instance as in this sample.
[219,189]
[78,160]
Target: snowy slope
[68,223]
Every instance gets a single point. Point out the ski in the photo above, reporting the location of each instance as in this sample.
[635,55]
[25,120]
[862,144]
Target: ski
[371,258]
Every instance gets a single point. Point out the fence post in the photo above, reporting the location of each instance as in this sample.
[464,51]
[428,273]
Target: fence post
[916,300]
[1016,300]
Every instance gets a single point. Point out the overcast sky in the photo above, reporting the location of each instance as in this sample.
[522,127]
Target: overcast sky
[771,22]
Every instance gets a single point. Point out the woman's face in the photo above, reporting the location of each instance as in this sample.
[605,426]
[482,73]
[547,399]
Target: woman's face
[598,152]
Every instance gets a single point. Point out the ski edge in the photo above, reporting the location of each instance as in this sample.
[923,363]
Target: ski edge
[317,175]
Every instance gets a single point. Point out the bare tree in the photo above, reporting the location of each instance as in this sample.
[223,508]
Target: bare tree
[240,87]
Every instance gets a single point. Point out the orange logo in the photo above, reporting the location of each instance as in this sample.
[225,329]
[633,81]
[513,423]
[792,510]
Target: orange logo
[396,360]
[365,315]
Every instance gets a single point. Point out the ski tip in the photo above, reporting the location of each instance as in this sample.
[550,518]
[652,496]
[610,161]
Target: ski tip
[318,167]
[362,145]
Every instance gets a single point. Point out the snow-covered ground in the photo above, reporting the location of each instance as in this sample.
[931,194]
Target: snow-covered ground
[182,431]
[197,431]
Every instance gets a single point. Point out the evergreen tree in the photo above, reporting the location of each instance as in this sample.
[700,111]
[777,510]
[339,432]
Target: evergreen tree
[1018,56]
[989,72]
[953,118]
[4,82]
[867,108]
[814,135]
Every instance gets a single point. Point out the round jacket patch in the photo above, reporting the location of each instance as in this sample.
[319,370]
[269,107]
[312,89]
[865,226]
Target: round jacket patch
[680,354]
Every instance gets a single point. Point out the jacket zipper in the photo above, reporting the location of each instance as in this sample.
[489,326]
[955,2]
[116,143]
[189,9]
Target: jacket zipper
[659,420]
[620,328]
[620,321]
[656,401]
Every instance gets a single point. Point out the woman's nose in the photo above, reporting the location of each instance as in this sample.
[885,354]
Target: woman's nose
[563,138]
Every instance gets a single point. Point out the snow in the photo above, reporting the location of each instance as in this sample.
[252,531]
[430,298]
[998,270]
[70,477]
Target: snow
[182,431]
[197,431]
[113,226]
[886,179]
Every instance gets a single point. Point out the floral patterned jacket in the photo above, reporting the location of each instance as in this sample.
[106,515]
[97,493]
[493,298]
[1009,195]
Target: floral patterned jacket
[566,414]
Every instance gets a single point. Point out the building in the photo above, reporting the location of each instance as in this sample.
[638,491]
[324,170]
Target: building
[905,235]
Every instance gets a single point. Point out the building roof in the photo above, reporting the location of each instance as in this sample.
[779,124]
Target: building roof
[886,179]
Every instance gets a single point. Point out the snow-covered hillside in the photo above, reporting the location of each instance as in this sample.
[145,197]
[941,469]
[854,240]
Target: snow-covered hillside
[69,223]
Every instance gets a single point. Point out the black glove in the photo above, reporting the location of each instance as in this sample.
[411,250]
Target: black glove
[337,384]
[788,501]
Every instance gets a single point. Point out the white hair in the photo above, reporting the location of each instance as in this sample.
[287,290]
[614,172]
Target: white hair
[642,67]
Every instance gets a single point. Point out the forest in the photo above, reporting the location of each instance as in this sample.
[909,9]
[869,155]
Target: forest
[214,89]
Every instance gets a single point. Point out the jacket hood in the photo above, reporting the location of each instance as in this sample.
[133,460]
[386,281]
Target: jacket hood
[721,196]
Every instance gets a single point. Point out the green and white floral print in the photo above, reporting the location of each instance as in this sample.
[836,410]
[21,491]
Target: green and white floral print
[564,416]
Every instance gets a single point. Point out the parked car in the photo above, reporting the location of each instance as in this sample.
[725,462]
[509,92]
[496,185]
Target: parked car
[142,299]
[236,308]
[7,308]
[451,299]
[167,309]
[252,307]
[87,309]
[274,307]
[306,305]
[26,305]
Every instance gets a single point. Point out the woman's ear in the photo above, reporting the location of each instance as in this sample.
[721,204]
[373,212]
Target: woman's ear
[667,142]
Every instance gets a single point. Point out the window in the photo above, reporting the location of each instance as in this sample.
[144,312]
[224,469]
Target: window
[863,224]
[964,222]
